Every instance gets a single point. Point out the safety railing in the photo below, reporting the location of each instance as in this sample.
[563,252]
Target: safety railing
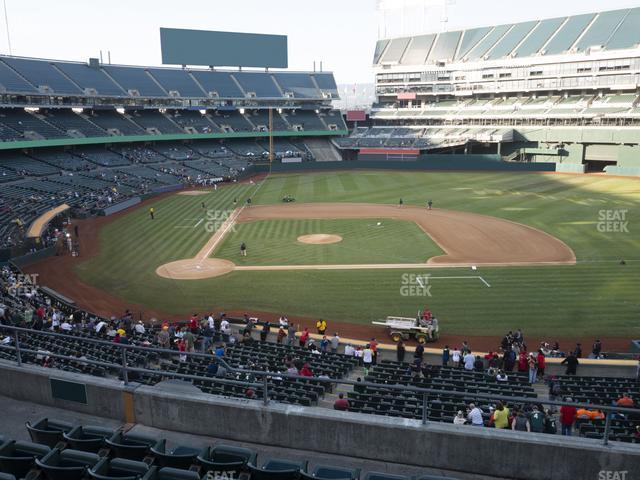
[264,376]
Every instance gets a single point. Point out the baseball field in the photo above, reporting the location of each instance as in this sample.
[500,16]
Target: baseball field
[552,254]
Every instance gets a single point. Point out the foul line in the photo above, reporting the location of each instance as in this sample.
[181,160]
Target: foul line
[230,222]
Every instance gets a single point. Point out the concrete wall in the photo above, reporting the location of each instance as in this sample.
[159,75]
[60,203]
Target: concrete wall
[121,206]
[484,451]
[105,397]
[437,445]
[425,163]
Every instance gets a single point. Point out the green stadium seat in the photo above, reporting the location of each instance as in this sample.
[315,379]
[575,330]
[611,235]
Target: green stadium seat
[48,432]
[17,458]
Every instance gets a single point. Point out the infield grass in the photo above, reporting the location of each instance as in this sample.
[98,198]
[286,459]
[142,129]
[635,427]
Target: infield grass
[598,296]
[274,242]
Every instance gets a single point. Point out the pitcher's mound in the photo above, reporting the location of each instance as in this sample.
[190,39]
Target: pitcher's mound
[319,239]
[194,269]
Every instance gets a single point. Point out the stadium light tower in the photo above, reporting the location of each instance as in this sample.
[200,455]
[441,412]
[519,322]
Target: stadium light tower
[6,23]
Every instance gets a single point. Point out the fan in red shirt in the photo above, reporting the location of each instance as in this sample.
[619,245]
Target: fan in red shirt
[542,361]
[304,337]
[567,417]
[523,364]
[193,323]
[305,371]
[341,403]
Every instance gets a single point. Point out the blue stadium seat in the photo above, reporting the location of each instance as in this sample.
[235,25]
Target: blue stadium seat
[42,73]
[48,432]
[17,458]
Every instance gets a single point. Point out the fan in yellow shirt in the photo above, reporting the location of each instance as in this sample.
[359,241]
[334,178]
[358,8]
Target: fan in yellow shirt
[501,416]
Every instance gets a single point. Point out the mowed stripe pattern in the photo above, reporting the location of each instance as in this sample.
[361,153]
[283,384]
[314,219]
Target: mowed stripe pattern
[274,242]
[598,296]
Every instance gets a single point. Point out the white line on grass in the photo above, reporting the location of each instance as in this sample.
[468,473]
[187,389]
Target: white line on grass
[475,277]
[199,222]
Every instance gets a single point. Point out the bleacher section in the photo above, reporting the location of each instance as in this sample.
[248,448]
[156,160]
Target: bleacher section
[541,79]
[28,126]
[70,122]
[154,121]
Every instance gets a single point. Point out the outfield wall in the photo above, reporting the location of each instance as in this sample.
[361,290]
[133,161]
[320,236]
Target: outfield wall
[424,163]
[457,448]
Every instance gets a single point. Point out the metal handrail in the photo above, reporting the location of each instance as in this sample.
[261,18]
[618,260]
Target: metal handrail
[266,375]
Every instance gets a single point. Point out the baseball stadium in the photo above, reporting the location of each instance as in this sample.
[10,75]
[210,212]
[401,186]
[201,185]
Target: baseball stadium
[223,266]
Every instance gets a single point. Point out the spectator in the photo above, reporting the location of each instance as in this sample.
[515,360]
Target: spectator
[189,339]
[321,326]
[304,337]
[578,351]
[335,342]
[501,416]
[533,368]
[478,365]
[474,416]
[367,358]
[541,359]
[219,352]
[523,362]
[291,334]
[400,351]
[572,364]
[455,357]
[625,401]
[469,361]
[212,369]
[596,349]
[509,360]
[225,328]
[464,349]
[164,339]
[139,328]
[373,344]
[459,418]
[222,371]
[445,356]
[349,350]
[567,417]
[341,403]
[324,344]
[521,423]
[305,371]
[537,420]
[281,335]
[182,348]
[266,328]
[501,376]
[419,352]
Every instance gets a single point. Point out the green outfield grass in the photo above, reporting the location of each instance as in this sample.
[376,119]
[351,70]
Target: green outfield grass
[274,242]
[598,296]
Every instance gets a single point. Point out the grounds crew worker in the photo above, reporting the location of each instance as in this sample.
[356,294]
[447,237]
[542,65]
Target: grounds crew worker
[151,212]
[321,325]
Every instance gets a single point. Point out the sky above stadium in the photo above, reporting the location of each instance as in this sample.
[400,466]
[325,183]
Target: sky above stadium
[341,33]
